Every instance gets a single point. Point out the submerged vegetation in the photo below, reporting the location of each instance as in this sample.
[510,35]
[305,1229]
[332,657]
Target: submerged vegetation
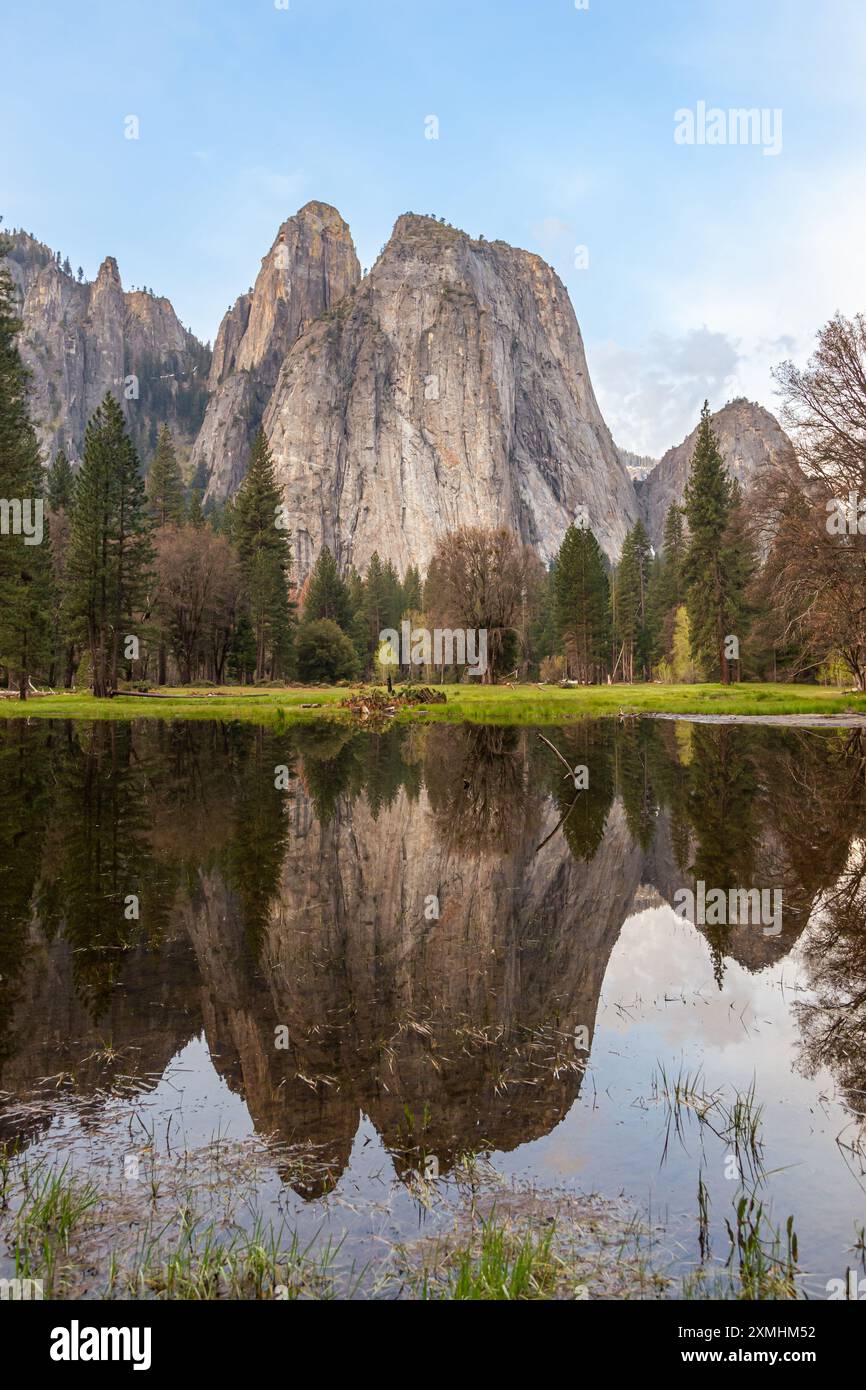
[198,1234]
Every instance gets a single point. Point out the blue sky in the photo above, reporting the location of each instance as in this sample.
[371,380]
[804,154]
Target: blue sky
[707,264]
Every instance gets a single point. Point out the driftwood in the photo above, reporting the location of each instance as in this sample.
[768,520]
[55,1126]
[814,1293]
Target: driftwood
[378,705]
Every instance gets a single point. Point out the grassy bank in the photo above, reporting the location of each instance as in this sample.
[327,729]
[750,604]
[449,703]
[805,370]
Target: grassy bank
[501,704]
[167,1236]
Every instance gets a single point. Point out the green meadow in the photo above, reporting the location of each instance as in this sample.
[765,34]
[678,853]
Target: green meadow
[480,704]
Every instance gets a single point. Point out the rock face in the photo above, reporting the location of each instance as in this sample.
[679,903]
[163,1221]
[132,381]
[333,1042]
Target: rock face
[749,438]
[80,339]
[450,389]
[311,266]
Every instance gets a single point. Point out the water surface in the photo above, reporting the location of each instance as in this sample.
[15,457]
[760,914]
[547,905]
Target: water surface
[389,951]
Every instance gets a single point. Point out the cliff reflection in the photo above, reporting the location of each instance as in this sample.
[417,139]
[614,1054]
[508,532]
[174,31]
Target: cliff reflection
[425,917]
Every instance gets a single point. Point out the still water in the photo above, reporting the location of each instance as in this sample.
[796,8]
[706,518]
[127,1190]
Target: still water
[388,951]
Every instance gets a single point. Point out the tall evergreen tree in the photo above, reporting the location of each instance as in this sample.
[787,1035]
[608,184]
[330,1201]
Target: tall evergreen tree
[630,603]
[195,511]
[393,595]
[666,590]
[327,595]
[265,555]
[165,482]
[110,551]
[410,592]
[60,483]
[582,603]
[25,559]
[674,554]
[378,602]
[713,568]
[358,619]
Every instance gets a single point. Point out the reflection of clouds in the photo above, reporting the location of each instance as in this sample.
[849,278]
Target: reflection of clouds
[661,972]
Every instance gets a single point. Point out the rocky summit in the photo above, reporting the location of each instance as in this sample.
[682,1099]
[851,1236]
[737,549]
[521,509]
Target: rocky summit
[749,437]
[447,387]
[450,389]
[82,338]
[310,268]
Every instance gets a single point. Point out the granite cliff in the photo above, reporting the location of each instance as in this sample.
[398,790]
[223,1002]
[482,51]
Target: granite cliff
[82,338]
[311,266]
[450,389]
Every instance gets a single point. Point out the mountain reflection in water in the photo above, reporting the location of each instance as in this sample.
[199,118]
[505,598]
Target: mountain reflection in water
[427,914]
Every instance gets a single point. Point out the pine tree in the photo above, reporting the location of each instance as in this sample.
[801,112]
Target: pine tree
[674,553]
[358,619]
[582,603]
[60,483]
[714,568]
[410,592]
[327,595]
[194,511]
[630,603]
[110,551]
[376,604]
[393,595]
[25,556]
[165,482]
[60,489]
[265,555]
[666,590]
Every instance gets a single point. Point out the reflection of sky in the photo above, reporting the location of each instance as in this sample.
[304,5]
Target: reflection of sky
[660,1005]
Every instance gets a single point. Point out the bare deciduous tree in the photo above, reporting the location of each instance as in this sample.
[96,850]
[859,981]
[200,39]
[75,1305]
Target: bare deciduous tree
[478,578]
[814,577]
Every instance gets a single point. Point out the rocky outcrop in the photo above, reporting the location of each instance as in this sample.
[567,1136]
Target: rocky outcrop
[638,466]
[80,339]
[311,266]
[749,439]
[451,389]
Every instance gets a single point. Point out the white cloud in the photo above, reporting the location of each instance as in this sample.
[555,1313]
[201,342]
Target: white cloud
[755,292]
[651,395]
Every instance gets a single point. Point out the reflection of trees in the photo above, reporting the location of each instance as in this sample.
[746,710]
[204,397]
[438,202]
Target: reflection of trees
[327,883]
[583,813]
[478,782]
[340,762]
[833,1022]
[635,779]
[100,876]
[24,807]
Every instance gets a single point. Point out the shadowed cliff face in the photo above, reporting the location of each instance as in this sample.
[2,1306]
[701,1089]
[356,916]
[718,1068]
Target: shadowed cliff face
[451,389]
[416,930]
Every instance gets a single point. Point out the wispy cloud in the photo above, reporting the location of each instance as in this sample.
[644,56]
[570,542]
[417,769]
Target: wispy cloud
[651,395]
